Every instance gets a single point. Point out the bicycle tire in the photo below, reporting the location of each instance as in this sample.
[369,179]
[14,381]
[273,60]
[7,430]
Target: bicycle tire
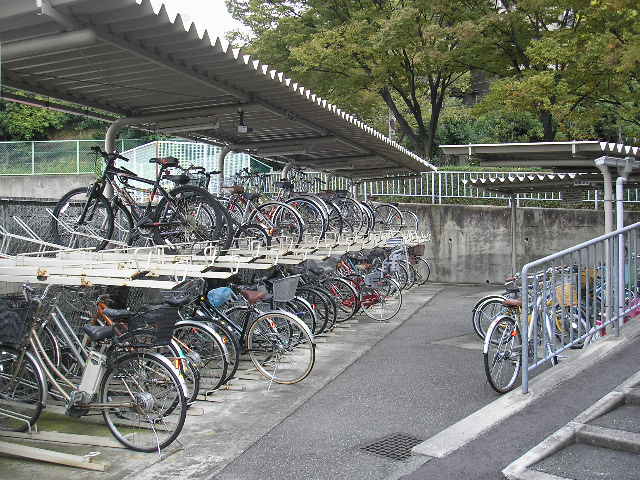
[27,401]
[386,291]
[180,227]
[503,336]
[313,215]
[206,350]
[267,346]
[142,367]
[292,224]
[387,218]
[98,209]
[485,311]
[346,297]
[423,270]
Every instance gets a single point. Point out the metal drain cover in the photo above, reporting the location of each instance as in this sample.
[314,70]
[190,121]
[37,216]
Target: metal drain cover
[396,446]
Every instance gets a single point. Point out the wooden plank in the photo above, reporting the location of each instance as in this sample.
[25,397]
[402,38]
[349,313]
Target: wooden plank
[50,456]
[58,437]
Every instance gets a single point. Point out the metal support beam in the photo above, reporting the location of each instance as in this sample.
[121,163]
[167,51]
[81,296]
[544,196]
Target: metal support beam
[309,142]
[49,44]
[514,212]
[58,108]
[221,157]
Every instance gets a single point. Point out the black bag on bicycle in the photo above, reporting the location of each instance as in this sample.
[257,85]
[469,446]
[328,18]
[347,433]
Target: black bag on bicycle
[159,318]
[14,312]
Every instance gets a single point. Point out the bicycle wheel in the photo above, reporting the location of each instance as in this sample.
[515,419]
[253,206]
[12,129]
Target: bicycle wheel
[192,217]
[23,390]
[387,218]
[485,312]
[205,349]
[315,221]
[300,308]
[410,220]
[320,305]
[502,354]
[251,235]
[423,271]
[346,297]
[277,354]
[281,221]
[400,274]
[353,216]
[82,219]
[381,300]
[149,406]
[336,224]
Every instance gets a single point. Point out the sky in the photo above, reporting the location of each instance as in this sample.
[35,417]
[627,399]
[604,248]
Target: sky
[209,14]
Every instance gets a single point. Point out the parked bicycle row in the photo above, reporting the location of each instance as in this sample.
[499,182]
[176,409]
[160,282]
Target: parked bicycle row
[142,367]
[566,310]
[178,209]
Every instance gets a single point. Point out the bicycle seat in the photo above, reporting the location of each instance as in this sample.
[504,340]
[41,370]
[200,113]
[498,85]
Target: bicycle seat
[177,301]
[234,189]
[253,296]
[99,332]
[166,161]
[512,302]
[116,314]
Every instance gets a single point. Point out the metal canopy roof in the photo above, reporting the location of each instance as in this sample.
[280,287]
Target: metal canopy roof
[126,59]
[544,182]
[554,155]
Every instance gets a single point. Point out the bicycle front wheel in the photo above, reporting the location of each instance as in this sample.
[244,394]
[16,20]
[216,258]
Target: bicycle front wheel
[281,347]
[148,406]
[381,300]
[22,390]
[502,354]
[82,219]
[191,217]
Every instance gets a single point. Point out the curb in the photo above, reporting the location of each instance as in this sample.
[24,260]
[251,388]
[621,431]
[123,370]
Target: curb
[471,427]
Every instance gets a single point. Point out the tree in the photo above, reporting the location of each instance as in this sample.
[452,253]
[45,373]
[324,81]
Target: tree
[404,55]
[23,122]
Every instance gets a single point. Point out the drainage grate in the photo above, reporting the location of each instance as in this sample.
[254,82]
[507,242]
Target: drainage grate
[396,446]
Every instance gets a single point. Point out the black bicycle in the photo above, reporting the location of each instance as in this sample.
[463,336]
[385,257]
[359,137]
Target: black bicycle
[186,215]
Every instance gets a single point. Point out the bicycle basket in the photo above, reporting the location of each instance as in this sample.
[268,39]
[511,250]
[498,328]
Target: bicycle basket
[161,319]
[567,295]
[184,292]
[15,319]
[198,180]
[284,289]
[371,279]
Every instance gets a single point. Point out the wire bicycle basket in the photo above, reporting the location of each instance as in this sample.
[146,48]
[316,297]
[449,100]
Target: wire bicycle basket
[284,289]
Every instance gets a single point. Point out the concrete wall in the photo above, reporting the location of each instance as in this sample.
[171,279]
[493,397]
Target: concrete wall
[472,244]
[41,186]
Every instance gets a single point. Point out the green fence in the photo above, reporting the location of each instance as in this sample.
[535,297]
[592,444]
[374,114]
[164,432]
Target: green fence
[53,157]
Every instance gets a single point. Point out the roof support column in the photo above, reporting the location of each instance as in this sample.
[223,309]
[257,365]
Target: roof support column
[622,178]
[608,227]
[221,157]
[285,171]
[514,210]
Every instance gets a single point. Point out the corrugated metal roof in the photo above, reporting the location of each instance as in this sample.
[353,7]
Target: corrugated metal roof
[554,155]
[125,58]
[543,182]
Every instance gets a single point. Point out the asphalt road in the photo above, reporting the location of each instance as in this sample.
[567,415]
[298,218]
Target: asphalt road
[419,379]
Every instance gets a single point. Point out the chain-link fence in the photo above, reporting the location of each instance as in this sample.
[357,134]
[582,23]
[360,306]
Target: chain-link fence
[53,157]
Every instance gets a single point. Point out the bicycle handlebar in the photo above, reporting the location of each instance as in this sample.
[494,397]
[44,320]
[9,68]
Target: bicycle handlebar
[108,156]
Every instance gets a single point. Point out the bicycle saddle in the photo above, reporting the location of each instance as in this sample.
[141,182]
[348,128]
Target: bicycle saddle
[253,296]
[166,161]
[116,314]
[99,332]
[234,189]
[512,302]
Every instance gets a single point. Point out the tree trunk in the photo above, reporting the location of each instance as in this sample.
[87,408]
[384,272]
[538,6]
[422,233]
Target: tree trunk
[548,126]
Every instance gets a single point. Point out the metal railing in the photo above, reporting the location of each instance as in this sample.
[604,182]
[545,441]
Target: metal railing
[575,296]
[53,157]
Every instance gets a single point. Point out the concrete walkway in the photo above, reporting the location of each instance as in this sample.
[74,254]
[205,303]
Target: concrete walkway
[422,377]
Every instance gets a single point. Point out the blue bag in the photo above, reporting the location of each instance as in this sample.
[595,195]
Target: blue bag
[219,296]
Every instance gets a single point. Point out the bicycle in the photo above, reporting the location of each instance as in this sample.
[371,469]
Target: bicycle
[84,217]
[139,393]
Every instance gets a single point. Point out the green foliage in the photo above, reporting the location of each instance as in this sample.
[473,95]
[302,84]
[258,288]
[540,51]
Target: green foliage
[23,122]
